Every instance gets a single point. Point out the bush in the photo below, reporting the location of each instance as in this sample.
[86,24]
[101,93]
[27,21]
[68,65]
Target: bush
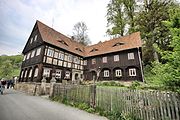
[134,85]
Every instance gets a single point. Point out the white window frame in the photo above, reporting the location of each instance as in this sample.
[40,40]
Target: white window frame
[106,73]
[33,53]
[58,73]
[46,72]
[85,62]
[61,56]
[25,74]
[70,57]
[36,72]
[56,54]
[130,56]
[30,73]
[31,40]
[24,57]
[50,52]
[93,61]
[67,74]
[104,59]
[38,51]
[116,58]
[132,72]
[118,73]
[35,38]
[22,73]
[28,55]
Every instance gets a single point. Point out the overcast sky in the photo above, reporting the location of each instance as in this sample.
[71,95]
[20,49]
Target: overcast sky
[19,16]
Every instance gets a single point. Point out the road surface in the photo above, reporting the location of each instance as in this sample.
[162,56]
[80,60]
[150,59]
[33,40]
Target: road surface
[16,105]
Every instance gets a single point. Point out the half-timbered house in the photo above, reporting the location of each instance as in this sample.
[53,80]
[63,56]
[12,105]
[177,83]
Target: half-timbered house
[48,51]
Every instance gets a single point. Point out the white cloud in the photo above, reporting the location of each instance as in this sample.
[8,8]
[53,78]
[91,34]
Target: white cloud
[19,17]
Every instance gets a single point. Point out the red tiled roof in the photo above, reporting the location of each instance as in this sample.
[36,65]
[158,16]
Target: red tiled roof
[55,38]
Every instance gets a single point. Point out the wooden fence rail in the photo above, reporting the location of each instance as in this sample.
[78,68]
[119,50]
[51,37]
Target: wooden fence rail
[144,104]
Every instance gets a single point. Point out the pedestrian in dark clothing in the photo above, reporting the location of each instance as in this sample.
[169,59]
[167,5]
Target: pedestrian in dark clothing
[8,84]
[2,85]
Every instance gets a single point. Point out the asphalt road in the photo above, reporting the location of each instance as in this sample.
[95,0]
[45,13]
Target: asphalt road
[16,105]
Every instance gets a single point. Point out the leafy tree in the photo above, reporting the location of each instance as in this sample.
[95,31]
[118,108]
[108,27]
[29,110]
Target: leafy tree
[149,23]
[10,66]
[80,33]
[116,18]
[120,17]
[173,57]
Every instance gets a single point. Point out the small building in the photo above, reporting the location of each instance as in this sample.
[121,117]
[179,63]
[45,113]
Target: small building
[48,51]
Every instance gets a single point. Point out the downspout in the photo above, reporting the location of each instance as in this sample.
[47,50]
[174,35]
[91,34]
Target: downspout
[140,63]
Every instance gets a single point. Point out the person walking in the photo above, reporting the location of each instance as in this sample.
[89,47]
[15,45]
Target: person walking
[2,86]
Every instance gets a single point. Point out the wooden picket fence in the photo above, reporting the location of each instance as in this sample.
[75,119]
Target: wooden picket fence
[143,104]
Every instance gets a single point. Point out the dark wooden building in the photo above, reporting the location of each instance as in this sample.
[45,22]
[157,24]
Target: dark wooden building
[48,51]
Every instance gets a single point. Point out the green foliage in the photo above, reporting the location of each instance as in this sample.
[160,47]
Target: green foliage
[120,13]
[110,83]
[168,74]
[10,66]
[134,85]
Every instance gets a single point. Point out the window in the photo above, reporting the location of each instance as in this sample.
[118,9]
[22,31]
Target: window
[46,72]
[75,66]
[69,65]
[75,59]
[104,59]
[94,61]
[38,51]
[55,61]
[24,58]
[81,67]
[61,56]
[22,74]
[33,53]
[60,63]
[132,72]
[58,74]
[50,53]
[130,56]
[56,55]
[49,60]
[106,73]
[118,73]
[118,44]
[65,64]
[65,57]
[94,49]
[36,72]
[85,62]
[30,73]
[35,38]
[69,58]
[116,57]
[28,55]
[25,74]
[31,40]
[67,75]
[81,62]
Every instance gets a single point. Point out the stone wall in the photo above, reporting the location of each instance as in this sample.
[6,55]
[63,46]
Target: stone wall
[33,88]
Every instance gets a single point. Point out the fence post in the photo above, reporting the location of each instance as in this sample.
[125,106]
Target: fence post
[52,82]
[43,86]
[93,95]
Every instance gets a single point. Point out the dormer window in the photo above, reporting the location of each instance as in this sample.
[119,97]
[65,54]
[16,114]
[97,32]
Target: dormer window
[94,49]
[118,44]
[78,49]
[63,42]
